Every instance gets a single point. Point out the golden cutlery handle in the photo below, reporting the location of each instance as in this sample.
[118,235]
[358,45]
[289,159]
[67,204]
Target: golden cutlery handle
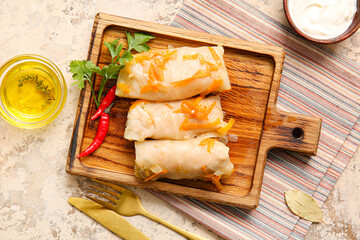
[186,234]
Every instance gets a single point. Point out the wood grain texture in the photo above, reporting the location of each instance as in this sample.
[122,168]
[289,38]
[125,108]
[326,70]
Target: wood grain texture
[254,71]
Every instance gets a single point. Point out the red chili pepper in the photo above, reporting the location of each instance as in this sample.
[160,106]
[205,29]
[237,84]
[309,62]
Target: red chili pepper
[101,132]
[108,99]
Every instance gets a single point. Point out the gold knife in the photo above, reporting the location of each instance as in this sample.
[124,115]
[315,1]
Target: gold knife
[108,218]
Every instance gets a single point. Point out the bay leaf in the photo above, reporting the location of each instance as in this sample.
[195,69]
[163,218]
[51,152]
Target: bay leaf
[303,205]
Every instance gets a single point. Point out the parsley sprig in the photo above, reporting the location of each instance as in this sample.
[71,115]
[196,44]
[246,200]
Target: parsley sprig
[83,70]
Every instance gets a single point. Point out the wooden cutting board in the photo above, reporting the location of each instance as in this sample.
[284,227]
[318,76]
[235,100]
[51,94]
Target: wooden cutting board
[254,71]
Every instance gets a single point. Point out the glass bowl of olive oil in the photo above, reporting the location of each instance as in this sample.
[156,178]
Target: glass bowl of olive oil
[32,91]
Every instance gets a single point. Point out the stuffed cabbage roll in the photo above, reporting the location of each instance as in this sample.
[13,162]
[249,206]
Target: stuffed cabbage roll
[174,74]
[198,158]
[173,120]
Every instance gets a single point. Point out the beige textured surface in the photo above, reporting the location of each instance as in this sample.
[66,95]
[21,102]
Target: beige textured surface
[34,187]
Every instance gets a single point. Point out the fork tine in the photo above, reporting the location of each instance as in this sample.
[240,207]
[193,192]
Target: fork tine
[111,199]
[101,202]
[105,190]
[110,185]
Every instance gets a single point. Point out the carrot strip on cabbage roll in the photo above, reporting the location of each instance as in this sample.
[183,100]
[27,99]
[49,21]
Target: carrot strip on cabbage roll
[174,74]
[174,120]
[198,158]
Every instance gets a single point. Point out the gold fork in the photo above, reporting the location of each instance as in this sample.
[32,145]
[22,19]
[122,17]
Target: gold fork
[127,203]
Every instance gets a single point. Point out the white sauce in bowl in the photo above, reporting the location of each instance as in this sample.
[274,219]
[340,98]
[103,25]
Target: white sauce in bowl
[322,19]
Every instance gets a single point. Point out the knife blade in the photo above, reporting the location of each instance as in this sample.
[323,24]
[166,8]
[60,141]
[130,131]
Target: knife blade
[108,218]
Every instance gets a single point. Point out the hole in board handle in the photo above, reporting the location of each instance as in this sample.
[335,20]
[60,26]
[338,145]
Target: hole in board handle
[297,133]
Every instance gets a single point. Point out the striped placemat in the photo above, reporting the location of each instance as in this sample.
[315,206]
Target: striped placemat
[315,82]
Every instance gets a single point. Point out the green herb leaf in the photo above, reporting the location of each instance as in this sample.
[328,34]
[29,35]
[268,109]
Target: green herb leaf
[125,58]
[142,48]
[303,205]
[82,71]
[130,39]
[110,71]
[138,41]
[114,49]
[140,38]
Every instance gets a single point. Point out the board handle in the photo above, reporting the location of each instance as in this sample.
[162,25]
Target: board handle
[291,131]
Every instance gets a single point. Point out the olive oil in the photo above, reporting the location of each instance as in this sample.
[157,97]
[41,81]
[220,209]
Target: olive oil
[30,92]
